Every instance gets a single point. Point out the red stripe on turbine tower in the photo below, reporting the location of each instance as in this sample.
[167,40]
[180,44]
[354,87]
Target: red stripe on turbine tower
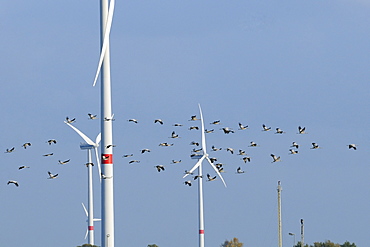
[201,231]
[107,159]
[91,228]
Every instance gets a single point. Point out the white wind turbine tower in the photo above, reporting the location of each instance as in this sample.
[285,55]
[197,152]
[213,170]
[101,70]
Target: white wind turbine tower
[107,196]
[200,179]
[89,145]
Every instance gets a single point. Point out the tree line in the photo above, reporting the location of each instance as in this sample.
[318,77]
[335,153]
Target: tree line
[235,243]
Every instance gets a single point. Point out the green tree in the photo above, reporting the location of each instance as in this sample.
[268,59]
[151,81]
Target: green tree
[348,244]
[152,245]
[233,243]
[299,245]
[327,243]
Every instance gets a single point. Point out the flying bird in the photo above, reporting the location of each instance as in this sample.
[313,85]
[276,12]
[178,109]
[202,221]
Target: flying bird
[216,149]
[353,146]
[134,161]
[103,176]
[292,151]
[159,168]
[176,161]
[52,141]
[158,121]
[46,155]
[89,164]
[246,159]
[265,128]
[25,145]
[279,131]
[253,144]
[145,150]
[209,131]
[91,116]
[295,145]
[63,162]
[111,146]
[52,176]
[196,177]
[196,150]
[105,157]
[219,165]
[174,135]
[127,155]
[188,173]
[239,170]
[221,169]
[133,120]
[230,150]
[13,182]
[301,130]
[68,120]
[187,183]
[165,144]
[315,146]
[193,118]
[211,178]
[177,125]
[23,167]
[109,119]
[194,143]
[275,158]
[212,160]
[242,152]
[216,122]
[242,127]
[227,130]
[10,150]
[193,128]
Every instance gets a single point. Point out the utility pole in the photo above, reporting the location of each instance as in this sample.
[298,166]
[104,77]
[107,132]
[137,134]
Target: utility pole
[302,233]
[280,235]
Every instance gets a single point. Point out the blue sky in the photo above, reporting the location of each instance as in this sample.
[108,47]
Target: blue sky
[283,64]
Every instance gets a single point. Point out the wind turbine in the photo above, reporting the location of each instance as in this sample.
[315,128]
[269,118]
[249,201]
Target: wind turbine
[90,228]
[88,146]
[107,195]
[200,179]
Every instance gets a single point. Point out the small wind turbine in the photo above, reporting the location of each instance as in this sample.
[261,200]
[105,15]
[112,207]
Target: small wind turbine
[90,227]
[200,179]
[88,146]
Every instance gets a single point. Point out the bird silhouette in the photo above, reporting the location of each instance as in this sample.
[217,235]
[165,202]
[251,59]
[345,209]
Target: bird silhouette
[275,158]
[52,176]
[158,121]
[13,182]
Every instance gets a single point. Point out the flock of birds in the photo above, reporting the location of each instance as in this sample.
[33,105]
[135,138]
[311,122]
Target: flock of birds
[293,150]
[196,151]
[27,145]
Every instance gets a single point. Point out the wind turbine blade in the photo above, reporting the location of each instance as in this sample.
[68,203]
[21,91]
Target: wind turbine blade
[203,135]
[98,162]
[106,39]
[98,139]
[87,232]
[195,166]
[86,139]
[87,214]
[96,219]
[216,170]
